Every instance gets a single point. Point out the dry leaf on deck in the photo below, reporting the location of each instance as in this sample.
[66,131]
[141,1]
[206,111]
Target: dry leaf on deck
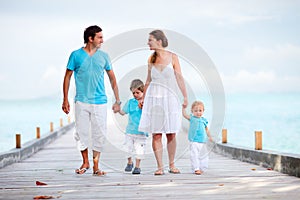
[40,183]
[43,197]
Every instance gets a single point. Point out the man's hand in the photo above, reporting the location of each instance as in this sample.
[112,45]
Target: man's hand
[116,107]
[66,106]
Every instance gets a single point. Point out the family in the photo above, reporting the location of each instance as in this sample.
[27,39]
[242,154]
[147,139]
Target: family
[154,109]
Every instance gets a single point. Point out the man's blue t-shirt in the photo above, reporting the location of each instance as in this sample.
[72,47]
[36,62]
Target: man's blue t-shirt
[197,132]
[89,75]
[134,115]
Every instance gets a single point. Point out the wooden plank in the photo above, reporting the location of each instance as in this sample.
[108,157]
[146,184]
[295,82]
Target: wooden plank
[55,165]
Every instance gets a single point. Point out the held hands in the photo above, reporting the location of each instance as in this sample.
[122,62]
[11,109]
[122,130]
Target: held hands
[116,107]
[141,103]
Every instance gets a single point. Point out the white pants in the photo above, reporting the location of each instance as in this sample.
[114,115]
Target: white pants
[135,145]
[198,156]
[90,118]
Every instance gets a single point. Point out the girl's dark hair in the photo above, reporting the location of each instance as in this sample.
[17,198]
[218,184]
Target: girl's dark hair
[90,32]
[158,35]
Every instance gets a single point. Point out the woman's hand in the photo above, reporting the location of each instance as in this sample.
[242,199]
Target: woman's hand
[185,102]
[141,103]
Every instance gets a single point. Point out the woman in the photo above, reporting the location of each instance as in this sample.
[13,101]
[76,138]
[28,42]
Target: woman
[161,108]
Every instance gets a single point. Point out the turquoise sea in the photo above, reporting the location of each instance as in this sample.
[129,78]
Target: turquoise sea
[276,115]
[23,116]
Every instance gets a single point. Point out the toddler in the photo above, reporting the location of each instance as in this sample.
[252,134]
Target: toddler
[197,135]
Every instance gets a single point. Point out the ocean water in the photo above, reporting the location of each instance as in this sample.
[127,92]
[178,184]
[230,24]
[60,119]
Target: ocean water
[23,116]
[276,115]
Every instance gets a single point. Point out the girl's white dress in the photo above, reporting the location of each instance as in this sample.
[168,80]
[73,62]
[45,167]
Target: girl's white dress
[161,109]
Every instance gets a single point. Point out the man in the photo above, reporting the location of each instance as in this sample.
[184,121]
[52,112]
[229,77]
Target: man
[88,64]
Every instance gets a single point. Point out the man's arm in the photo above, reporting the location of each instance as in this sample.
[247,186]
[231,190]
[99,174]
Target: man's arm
[114,86]
[66,85]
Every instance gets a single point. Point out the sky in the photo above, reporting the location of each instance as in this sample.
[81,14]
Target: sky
[254,44]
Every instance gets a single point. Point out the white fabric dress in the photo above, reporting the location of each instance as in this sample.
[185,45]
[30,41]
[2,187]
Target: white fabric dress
[161,109]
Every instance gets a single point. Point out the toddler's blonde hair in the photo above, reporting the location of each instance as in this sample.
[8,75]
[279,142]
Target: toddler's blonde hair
[197,103]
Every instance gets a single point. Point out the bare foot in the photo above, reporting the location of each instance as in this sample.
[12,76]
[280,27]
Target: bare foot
[198,172]
[99,173]
[174,170]
[159,172]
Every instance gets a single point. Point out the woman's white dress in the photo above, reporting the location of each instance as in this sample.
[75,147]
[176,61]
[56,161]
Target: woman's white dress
[161,109]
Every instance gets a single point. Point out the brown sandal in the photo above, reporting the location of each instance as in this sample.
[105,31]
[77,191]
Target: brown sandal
[99,173]
[174,170]
[159,172]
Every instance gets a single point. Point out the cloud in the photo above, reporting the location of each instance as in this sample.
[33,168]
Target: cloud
[262,81]
[277,52]
[51,81]
[283,58]
[43,36]
[50,74]
[2,77]
[224,13]
[241,19]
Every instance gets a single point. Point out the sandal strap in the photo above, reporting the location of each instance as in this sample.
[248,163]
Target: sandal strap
[159,172]
[99,172]
[174,170]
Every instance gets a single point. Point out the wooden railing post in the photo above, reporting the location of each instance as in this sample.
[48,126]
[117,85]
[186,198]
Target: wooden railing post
[51,127]
[18,141]
[258,140]
[38,132]
[61,123]
[224,135]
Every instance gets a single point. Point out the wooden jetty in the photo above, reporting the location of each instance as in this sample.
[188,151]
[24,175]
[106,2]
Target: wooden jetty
[55,165]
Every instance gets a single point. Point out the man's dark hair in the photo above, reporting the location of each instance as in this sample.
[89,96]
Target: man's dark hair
[90,32]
